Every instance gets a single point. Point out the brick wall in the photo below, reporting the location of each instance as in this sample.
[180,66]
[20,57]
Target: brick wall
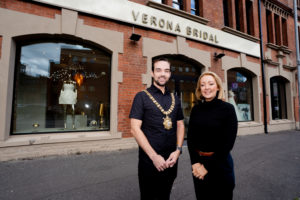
[31,8]
[131,61]
[213,11]
[0,45]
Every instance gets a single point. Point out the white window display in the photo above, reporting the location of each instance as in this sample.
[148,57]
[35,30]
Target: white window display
[240,94]
[61,87]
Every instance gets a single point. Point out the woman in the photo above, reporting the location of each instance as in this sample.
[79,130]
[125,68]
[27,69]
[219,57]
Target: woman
[211,136]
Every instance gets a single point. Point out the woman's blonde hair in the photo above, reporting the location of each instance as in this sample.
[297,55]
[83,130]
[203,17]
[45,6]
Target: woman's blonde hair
[220,93]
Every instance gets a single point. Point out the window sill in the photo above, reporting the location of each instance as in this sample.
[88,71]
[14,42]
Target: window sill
[284,49]
[269,61]
[174,11]
[240,34]
[281,121]
[290,67]
[249,124]
[26,140]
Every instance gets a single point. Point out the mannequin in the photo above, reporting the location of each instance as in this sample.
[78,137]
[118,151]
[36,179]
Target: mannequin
[68,96]
[232,101]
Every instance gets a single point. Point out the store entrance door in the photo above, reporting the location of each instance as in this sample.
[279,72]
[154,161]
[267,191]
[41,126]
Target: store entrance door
[183,82]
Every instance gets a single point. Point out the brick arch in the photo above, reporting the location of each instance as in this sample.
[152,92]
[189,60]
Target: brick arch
[153,48]
[41,37]
[66,25]
[182,57]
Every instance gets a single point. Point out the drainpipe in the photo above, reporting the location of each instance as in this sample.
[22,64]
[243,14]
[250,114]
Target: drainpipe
[263,69]
[298,56]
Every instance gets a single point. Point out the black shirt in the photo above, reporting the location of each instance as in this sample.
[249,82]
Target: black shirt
[163,141]
[212,128]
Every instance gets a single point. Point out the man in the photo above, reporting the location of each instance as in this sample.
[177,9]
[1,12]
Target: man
[157,125]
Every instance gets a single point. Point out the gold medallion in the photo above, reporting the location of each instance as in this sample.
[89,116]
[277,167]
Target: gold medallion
[167,122]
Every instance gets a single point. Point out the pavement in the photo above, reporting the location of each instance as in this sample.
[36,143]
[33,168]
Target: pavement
[267,167]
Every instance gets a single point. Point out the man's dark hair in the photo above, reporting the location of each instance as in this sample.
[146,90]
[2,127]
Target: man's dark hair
[155,60]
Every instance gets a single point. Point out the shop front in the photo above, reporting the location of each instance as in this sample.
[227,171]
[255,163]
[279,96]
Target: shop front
[69,74]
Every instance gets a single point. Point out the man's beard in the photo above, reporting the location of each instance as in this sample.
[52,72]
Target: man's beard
[159,84]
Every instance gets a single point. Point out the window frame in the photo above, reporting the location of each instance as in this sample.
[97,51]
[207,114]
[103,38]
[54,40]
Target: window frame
[281,84]
[179,3]
[196,9]
[58,39]
[277,29]
[269,23]
[226,13]
[284,28]
[249,76]
[249,17]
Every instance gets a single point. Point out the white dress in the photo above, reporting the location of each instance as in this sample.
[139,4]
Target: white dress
[68,94]
[232,101]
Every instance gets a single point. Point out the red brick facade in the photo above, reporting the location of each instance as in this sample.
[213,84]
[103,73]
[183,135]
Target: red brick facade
[132,62]
[30,8]
[0,46]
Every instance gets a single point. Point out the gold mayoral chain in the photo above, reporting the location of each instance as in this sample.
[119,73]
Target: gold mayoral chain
[167,120]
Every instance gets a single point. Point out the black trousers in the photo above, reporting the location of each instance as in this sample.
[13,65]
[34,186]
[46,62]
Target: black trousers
[218,183]
[155,185]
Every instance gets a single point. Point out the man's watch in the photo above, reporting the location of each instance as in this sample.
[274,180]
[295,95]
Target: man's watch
[179,148]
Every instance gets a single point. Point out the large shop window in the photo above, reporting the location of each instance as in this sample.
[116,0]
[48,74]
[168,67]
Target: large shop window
[240,93]
[278,98]
[183,82]
[61,87]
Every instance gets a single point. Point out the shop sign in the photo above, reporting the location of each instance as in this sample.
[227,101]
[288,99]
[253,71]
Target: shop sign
[141,15]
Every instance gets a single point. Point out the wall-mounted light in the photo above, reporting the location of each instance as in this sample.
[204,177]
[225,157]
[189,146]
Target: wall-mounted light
[135,37]
[218,56]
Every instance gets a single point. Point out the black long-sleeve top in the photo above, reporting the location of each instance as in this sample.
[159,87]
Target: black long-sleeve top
[212,128]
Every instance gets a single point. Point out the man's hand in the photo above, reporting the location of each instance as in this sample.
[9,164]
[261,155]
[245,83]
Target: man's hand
[159,162]
[173,158]
[199,170]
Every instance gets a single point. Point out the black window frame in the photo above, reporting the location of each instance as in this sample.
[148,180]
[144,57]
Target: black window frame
[45,38]
[282,106]
[179,3]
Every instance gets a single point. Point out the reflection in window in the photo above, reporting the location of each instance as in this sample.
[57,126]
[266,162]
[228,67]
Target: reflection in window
[177,4]
[61,87]
[158,1]
[240,94]
[278,98]
[194,7]
[183,82]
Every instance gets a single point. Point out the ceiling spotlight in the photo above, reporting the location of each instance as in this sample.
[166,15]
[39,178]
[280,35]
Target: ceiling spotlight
[134,37]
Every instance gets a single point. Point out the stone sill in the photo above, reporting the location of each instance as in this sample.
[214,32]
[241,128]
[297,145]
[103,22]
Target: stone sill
[269,61]
[285,49]
[290,67]
[240,34]
[27,140]
[281,121]
[249,124]
[180,13]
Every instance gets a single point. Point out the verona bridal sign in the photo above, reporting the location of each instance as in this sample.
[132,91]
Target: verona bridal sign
[141,15]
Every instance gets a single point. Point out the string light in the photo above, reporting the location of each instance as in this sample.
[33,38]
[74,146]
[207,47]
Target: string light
[68,71]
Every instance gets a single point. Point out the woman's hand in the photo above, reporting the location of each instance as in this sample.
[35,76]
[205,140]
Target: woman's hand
[199,170]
